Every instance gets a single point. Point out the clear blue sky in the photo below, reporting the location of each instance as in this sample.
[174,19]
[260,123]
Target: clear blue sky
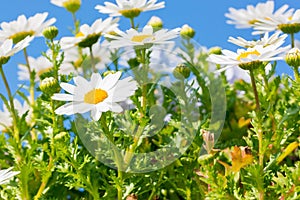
[206,17]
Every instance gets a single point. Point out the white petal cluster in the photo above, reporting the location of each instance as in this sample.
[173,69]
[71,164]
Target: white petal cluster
[97,95]
[125,5]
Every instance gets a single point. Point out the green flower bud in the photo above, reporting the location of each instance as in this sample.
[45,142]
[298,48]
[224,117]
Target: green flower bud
[181,71]
[292,58]
[72,5]
[215,50]
[156,23]
[49,85]
[187,31]
[50,32]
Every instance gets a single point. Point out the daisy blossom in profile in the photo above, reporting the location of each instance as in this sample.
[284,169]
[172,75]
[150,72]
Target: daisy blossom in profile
[70,5]
[97,95]
[248,59]
[7,48]
[39,65]
[7,174]
[19,29]
[285,22]
[129,8]
[147,37]
[249,17]
[275,39]
[89,35]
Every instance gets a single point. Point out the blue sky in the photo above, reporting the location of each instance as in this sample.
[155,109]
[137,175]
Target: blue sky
[206,17]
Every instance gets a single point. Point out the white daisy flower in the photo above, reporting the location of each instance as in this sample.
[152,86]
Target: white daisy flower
[39,65]
[246,57]
[89,35]
[70,5]
[129,8]
[288,22]
[275,39]
[18,29]
[7,49]
[247,18]
[97,95]
[6,120]
[147,37]
[7,174]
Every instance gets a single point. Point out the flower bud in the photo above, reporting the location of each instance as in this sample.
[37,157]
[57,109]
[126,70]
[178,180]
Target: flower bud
[50,32]
[187,31]
[292,58]
[49,85]
[181,71]
[155,22]
[215,50]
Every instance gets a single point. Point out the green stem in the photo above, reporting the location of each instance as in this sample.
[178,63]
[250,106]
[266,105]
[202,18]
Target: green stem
[76,27]
[145,81]
[296,73]
[254,90]
[292,40]
[154,189]
[92,59]
[132,22]
[31,91]
[118,159]
[12,106]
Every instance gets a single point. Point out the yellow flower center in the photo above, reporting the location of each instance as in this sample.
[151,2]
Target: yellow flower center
[17,37]
[141,38]
[95,96]
[247,53]
[79,34]
[290,18]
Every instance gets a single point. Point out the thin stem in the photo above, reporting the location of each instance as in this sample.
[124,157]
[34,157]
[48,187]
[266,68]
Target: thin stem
[12,106]
[254,90]
[32,84]
[118,161]
[31,91]
[144,87]
[296,73]
[75,23]
[132,22]
[292,40]
[92,59]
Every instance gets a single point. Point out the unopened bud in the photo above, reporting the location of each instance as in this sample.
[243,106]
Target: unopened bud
[49,85]
[50,32]
[187,31]
[155,22]
[215,50]
[181,71]
[292,58]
